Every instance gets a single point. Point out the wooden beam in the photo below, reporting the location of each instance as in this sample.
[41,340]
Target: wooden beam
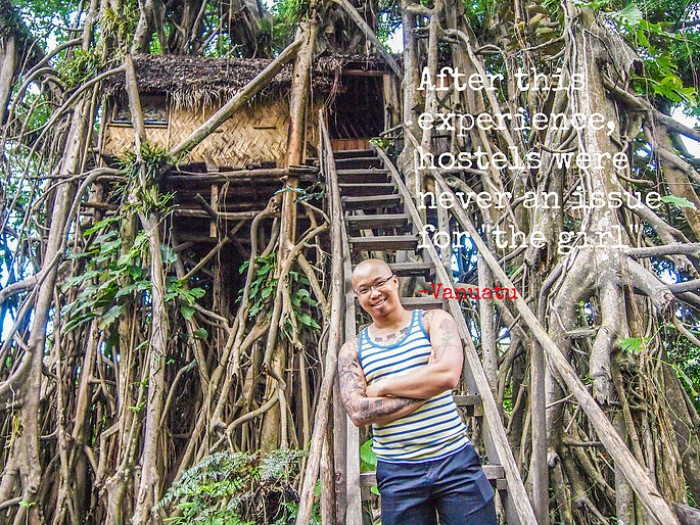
[331,359]
[538,411]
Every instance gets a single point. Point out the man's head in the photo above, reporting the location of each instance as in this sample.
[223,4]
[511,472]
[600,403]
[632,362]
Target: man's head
[377,288]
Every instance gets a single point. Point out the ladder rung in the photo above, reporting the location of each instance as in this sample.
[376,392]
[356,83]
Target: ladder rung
[358,162]
[467,401]
[352,153]
[494,473]
[370,202]
[366,189]
[362,171]
[386,242]
[380,220]
[426,302]
[364,178]
[413,269]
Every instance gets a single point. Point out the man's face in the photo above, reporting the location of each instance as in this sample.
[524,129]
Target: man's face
[376,288]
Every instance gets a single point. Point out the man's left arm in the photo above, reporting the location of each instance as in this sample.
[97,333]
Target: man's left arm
[442,371]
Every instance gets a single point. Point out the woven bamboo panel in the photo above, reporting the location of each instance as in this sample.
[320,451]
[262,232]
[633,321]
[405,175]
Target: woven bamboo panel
[255,134]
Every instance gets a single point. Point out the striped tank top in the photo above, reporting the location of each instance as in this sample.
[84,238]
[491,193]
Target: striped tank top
[433,431]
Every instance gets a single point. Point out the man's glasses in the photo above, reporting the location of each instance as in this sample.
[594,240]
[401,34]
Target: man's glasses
[378,285]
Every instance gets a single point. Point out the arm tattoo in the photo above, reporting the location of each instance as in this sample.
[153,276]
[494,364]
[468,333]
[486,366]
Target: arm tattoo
[427,317]
[362,409]
[446,338]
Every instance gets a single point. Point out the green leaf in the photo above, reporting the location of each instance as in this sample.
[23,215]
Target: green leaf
[101,224]
[169,255]
[310,301]
[680,202]
[198,293]
[201,333]
[632,345]
[596,4]
[642,38]
[126,290]
[368,459]
[110,247]
[187,311]
[112,315]
[684,377]
[630,16]
[306,320]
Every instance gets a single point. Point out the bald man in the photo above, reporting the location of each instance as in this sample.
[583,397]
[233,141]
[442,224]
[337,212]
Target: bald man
[397,374]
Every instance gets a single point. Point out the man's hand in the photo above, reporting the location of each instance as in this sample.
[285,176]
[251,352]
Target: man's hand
[442,371]
[361,408]
[375,389]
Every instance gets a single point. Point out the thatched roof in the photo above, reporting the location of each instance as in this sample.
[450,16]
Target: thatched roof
[192,81]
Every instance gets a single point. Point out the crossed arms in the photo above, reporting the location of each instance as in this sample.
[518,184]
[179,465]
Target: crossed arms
[391,398]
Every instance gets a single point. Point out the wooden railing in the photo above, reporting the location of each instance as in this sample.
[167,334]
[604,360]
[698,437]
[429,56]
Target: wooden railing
[321,448]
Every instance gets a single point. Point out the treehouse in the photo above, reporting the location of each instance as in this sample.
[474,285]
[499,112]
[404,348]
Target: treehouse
[236,169]
[179,93]
[229,178]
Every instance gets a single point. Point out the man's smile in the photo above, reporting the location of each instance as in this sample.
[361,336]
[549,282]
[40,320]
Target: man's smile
[380,302]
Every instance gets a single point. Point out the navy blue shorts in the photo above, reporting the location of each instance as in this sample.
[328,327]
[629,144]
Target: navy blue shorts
[455,488]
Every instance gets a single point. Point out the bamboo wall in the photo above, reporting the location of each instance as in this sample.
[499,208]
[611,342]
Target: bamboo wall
[255,134]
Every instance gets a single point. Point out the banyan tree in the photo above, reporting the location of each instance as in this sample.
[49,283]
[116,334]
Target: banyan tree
[186,187]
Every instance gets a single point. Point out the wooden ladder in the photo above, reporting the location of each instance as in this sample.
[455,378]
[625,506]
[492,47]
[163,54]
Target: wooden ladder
[381,220]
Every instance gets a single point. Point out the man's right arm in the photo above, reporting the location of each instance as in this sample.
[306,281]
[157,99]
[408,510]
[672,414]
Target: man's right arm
[364,410]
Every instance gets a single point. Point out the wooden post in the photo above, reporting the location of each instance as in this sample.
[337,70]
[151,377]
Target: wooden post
[353,515]
[540,468]
[331,358]
[339,454]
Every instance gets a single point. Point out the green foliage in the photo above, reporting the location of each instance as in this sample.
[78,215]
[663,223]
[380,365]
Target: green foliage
[303,304]
[313,192]
[47,20]
[236,489]
[111,280]
[654,29]
[680,202]
[177,289]
[140,191]
[35,108]
[381,142]
[80,67]
[286,15]
[630,16]
[368,460]
[684,358]
[263,288]
[633,345]
[121,25]
[108,278]
[388,19]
